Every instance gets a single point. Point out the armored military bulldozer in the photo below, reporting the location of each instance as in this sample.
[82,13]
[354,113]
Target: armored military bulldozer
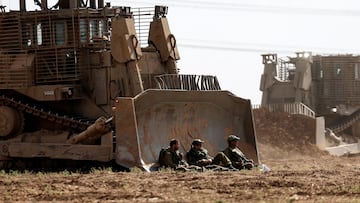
[100,83]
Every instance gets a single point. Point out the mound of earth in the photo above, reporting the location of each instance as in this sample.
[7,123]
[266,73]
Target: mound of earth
[284,135]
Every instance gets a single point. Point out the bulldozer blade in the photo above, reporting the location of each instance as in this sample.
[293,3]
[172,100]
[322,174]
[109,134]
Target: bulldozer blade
[147,122]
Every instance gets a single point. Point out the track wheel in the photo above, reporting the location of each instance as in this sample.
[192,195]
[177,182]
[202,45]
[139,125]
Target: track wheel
[11,122]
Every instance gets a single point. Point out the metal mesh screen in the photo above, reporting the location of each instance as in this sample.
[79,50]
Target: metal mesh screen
[16,70]
[57,40]
[187,82]
[142,17]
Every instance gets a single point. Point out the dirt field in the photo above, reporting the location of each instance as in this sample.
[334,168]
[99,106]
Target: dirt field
[299,172]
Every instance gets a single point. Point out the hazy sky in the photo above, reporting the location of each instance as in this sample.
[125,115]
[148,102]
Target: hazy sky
[226,38]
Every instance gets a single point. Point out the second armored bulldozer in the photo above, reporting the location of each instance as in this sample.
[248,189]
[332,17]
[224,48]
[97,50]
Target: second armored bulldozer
[318,85]
[79,82]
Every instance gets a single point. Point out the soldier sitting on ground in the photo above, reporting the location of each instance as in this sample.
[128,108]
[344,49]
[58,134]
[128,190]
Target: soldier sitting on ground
[199,156]
[238,159]
[172,157]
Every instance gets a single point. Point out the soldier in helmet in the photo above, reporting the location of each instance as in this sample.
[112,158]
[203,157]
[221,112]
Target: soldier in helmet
[199,156]
[238,159]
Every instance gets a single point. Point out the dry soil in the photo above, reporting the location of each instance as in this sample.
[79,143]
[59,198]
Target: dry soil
[299,172]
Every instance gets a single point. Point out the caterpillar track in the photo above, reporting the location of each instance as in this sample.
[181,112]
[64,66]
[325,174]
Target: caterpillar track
[346,122]
[74,122]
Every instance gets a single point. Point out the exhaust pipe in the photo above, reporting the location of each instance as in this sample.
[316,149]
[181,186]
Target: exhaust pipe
[93,4]
[100,3]
[44,5]
[22,4]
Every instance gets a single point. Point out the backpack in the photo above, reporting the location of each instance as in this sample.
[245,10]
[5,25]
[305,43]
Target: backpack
[161,157]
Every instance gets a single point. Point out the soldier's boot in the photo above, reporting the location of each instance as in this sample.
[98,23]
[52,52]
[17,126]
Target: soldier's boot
[181,169]
[248,165]
[232,168]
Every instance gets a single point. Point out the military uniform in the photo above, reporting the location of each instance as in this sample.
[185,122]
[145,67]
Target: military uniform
[173,159]
[222,160]
[237,157]
[234,154]
[200,157]
[196,157]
